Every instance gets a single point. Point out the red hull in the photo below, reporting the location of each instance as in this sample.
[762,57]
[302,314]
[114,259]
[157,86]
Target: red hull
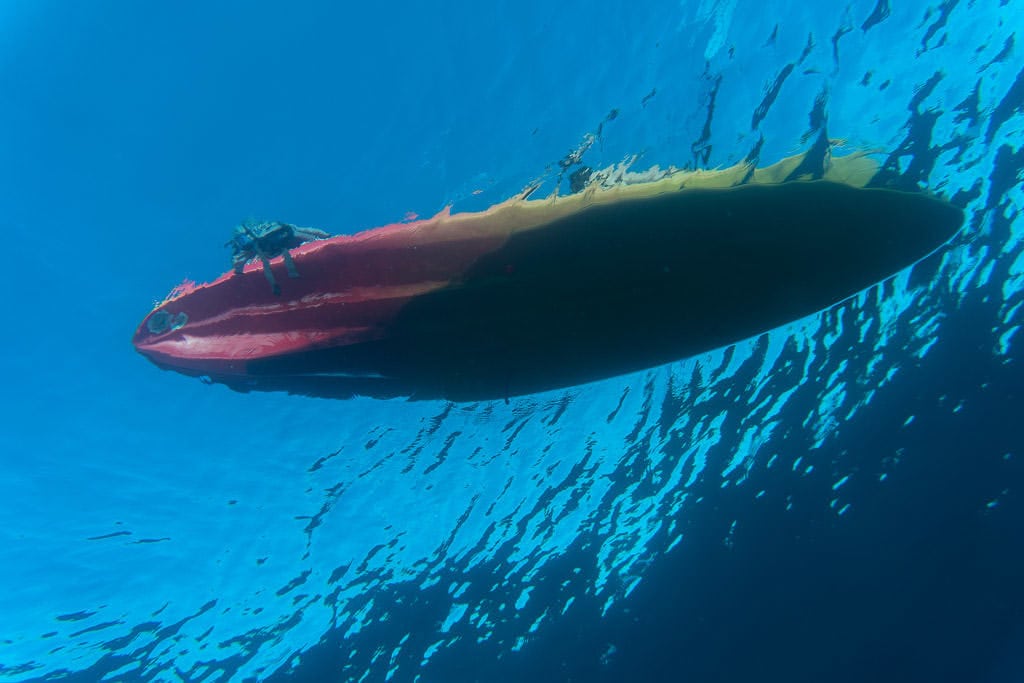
[533,295]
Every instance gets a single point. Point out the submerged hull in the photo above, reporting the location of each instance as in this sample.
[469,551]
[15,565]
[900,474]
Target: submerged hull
[535,295]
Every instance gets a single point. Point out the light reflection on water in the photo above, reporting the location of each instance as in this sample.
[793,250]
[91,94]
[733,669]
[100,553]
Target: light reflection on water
[476,502]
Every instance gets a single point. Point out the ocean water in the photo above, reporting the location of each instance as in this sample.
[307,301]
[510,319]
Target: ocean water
[835,500]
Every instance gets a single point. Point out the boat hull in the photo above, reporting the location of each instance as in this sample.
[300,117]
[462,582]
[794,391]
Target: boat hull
[471,310]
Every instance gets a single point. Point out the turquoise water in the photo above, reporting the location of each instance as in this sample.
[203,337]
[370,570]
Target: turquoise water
[642,528]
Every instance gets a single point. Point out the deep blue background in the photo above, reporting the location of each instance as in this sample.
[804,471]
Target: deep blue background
[161,529]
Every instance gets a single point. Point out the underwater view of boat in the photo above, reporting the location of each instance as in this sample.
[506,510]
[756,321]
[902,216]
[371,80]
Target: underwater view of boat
[634,271]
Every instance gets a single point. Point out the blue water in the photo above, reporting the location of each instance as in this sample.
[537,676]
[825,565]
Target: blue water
[836,500]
